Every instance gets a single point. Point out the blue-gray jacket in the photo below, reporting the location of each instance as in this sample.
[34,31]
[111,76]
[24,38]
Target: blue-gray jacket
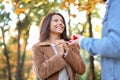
[109,46]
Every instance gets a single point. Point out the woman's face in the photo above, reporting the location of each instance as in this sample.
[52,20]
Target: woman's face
[56,25]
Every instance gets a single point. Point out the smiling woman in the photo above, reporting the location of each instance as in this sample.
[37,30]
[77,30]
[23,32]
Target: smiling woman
[57,25]
[52,21]
[53,59]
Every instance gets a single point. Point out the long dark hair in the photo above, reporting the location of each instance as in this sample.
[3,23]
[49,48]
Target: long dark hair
[45,27]
[104,0]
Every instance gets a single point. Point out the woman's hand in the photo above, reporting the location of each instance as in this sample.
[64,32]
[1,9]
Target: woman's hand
[61,46]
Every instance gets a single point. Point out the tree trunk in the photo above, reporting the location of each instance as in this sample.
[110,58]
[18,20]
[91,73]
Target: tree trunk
[92,73]
[18,71]
[24,54]
[69,24]
[6,55]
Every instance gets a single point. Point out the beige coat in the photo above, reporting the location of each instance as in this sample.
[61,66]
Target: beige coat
[47,65]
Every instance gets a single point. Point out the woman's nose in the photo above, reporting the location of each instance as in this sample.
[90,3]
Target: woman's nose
[60,22]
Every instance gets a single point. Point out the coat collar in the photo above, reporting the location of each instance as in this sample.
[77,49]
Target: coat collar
[44,43]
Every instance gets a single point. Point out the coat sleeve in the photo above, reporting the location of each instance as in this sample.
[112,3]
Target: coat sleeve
[45,68]
[74,59]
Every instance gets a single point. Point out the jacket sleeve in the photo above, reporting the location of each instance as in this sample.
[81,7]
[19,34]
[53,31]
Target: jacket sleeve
[75,60]
[109,45]
[45,68]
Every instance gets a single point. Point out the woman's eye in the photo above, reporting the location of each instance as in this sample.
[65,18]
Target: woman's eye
[62,21]
[55,20]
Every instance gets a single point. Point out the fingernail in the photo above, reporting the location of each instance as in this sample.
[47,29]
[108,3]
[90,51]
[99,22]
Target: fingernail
[69,41]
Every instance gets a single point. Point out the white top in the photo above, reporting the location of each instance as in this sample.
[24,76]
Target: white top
[63,73]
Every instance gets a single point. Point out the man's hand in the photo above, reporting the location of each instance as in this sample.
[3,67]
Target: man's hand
[75,40]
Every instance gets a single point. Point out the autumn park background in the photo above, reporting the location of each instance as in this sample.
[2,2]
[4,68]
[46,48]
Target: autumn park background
[19,29]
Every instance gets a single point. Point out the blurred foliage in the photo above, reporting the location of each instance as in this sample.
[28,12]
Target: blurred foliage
[25,13]
[88,5]
[33,12]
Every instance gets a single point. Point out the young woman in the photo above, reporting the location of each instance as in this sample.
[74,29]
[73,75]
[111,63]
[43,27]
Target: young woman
[53,58]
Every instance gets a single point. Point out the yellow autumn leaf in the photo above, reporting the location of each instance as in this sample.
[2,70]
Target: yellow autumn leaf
[98,29]
[63,5]
[16,5]
[73,15]
[1,0]
[26,1]
[86,34]
[19,10]
[71,1]
[7,2]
